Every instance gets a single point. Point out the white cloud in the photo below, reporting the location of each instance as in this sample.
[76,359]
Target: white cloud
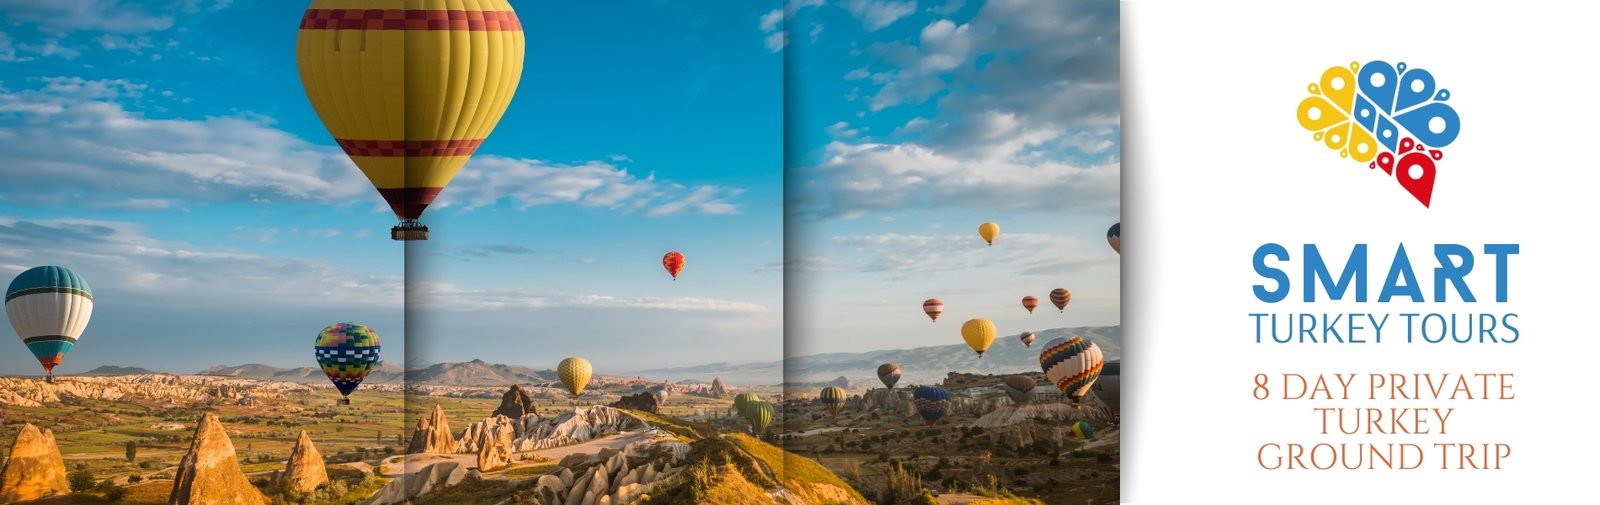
[65,16]
[75,133]
[905,256]
[771,20]
[125,264]
[772,24]
[777,40]
[447,296]
[877,14]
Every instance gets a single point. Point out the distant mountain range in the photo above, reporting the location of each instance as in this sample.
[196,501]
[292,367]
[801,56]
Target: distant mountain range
[108,370]
[918,365]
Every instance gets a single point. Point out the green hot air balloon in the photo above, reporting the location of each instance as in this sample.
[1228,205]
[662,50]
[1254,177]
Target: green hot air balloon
[760,417]
[743,401]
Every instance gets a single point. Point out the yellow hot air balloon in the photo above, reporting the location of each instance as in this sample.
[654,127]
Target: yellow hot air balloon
[979,334]
[989,231]
[410,88]
[574,373]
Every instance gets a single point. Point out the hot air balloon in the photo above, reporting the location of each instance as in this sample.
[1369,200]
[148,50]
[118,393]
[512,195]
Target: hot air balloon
[833,399]
[1060,297]
[1114,237]
[661,393]
[1081,430]
[933,307]
[889,373]
[1027,338]
[574,373]
[1072,364]
[932,403]
[760,416]
[989,231]
[742,403]
[979,334]
[1030,302]
[49,307]
[347,352]
[673,262]
[410,90]
[1019,388]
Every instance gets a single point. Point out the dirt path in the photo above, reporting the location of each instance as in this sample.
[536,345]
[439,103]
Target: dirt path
[958,499]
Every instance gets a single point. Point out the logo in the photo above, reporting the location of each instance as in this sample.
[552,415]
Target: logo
[1388,116]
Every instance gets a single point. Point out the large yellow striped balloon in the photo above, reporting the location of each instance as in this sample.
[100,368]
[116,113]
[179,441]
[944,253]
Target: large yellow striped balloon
[410,88]
[574,373]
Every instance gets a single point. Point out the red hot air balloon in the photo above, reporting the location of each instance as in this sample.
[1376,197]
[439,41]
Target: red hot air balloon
[673,261]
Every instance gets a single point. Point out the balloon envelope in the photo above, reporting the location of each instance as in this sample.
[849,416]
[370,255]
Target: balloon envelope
[1082,430]
[1027,338]
[760,417]
[1030,302]
[410,91]
[1060,297]
[1114,237]
[932,403]
[347,352]
[889,374]
[833,399]
[743,402]
[1019,388]
[673,262]
[1073,364]
[979,334]
[933,307]
[989,231]
[574,373]
[49,307]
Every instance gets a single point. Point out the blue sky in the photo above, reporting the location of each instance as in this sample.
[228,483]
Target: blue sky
[911,123]
[166,151]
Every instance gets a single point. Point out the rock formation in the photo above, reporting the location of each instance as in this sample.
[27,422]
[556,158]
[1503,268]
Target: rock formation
[646,402]
[430,478]
[612,477]
[515,404]
[159,388]
[433,435]
[841,381]
[35,469]
[718,389]
[305,470]
[495,452]
[992,404]
[209,474]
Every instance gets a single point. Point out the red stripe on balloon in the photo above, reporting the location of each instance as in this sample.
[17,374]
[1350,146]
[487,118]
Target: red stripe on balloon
[408,203]
[410,19]
[409,148]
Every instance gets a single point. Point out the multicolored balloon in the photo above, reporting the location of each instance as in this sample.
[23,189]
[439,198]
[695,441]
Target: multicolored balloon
[1114,237]
[933,307]
[347,352]
[410,90]
[1082,430]
[1019,388]
[49,308]
[932,403]
[743,402]
[1030,302]
[833,399]
[989,231]
[1073,364]
[760,416]
[1027,338]
[1060,297]
[889,374]
[979,334]
[574,373]
[673,262]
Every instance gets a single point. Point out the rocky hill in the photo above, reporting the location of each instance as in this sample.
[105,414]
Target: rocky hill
[31,392]
[117,370]
[387,373]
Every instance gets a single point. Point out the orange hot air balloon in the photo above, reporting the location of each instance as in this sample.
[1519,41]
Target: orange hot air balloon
[673,261]
[933,307]
[410,89]
[1060,297]
[1030,302]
